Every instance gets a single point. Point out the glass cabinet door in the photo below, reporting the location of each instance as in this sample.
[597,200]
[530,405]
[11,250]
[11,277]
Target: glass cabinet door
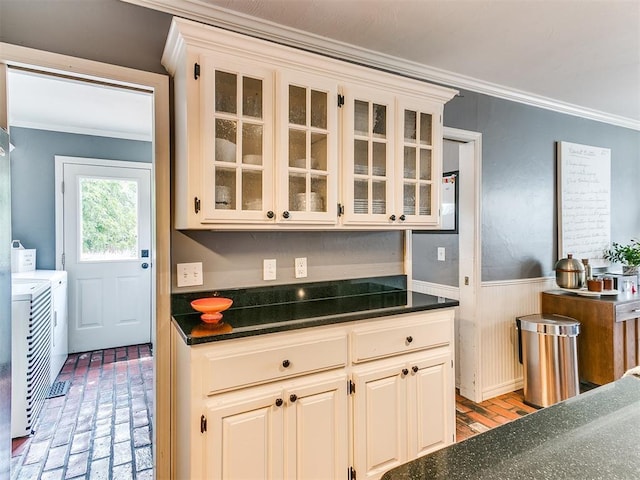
[237,164]
[420,174]
[368,154]
[307,151]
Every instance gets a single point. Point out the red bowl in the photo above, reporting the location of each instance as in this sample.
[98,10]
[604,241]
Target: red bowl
[211,308]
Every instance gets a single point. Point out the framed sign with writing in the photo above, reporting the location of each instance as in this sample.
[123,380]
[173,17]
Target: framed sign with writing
[584,201]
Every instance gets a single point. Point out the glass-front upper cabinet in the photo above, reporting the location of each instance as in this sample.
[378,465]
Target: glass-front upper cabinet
[368,156]
[236,128]
[306,150]
[418,171]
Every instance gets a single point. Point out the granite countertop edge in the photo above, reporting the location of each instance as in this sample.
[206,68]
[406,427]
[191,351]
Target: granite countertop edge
[417,302]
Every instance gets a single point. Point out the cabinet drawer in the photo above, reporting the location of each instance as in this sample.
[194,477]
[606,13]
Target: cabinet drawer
[268,364]
[418,334]
[627,311]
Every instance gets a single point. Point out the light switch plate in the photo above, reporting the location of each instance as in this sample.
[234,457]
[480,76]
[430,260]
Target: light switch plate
[269,269]
[189,274]
[441,254]
[301,267]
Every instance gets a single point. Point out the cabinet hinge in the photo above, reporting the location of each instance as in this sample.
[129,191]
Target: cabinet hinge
[196,204]
[351,387]
[62,259]
[340,209]
[340,100]
[62,187]
[351,474]
[203,424]
[196,71]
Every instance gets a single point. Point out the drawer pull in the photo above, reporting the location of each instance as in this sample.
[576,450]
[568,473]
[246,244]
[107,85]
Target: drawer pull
[405,371]
[286,363]
[637,310]
[279,402]
[293,397]
[415,369]
[409,339]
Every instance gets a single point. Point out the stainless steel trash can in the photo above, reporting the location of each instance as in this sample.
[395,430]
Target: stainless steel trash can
[548,353]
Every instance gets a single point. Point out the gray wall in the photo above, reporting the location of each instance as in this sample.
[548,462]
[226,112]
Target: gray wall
[518,199]
[234,259]
[519,220]
[426,266]
[108,31]
[32,180]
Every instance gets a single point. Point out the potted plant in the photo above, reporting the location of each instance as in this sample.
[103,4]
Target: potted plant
[627,255]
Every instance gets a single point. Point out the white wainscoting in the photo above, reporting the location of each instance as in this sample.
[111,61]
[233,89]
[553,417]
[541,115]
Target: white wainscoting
[499,303]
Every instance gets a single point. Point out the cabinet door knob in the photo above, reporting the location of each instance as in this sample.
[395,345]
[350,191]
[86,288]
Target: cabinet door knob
[270,214]
[392,218]
[293,397]
[279,402]
[415,369]
[285,214]
[405,371]
[409,339]
[286,363]
[402,218]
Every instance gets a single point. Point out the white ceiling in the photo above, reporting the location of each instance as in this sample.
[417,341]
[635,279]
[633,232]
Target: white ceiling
[48,102]
[581,54]
[577,56]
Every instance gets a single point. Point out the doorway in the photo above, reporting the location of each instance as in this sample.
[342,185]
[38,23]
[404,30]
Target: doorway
[469,257]
[104,214]
[157,85]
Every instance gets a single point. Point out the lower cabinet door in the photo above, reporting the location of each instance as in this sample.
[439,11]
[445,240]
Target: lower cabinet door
[380,418]
[244,435]
[290,430]
[430,396]
[317,429]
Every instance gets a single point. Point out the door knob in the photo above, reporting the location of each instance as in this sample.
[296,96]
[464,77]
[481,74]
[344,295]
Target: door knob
[145,265]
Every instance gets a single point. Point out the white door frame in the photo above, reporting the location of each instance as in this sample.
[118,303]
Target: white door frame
[14,55]
[470,261]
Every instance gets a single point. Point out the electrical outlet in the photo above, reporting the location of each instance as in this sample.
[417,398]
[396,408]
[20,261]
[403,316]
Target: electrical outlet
[301,267]
[441,254]
[189,274]
[269,269]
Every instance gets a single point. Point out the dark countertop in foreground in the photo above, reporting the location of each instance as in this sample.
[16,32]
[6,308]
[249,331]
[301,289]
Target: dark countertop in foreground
[279,309]
[595,435]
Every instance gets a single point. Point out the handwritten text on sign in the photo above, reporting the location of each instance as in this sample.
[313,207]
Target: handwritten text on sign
[585,201]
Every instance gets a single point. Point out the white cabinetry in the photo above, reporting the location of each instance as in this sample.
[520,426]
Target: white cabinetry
[268,136]
[316,402]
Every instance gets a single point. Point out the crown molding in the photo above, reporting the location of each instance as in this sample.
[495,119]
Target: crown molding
[241,23]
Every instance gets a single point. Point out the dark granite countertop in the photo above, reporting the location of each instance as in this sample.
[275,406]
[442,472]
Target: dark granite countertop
[595,435]
[289,307]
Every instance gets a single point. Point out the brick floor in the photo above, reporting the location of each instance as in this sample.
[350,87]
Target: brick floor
[101,429]
[473,418]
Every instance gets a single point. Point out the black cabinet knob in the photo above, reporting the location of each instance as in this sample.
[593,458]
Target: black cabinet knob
[402,218]
[293,397]
[409,339]
[286,363]
[415,369]
[285,214]
[392,218]
[270,214]
[405,371]
[279,402]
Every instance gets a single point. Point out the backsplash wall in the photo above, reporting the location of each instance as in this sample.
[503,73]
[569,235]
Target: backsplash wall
[234,259]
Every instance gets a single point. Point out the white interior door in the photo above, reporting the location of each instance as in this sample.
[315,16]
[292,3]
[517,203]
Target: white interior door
[106,238]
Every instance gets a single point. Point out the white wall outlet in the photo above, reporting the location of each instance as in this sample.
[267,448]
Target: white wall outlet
[269,269]
[441,254]
[189,274]
[301,267]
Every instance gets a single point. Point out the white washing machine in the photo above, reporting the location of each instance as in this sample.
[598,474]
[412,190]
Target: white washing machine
[59,318]
[30,353]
